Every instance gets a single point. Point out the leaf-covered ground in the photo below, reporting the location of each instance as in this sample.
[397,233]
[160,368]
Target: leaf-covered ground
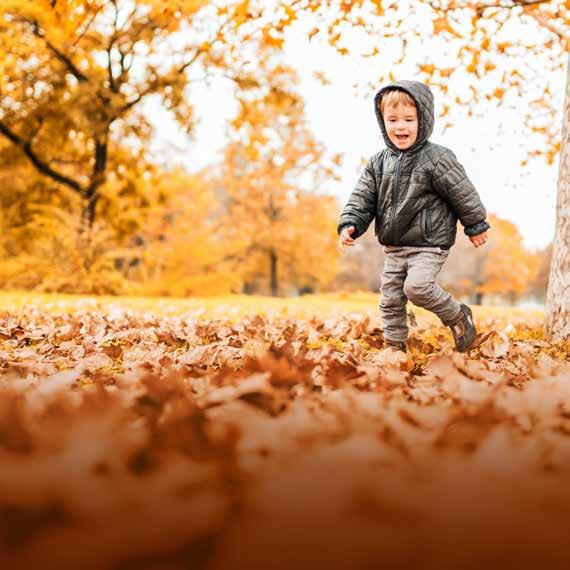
[142,438]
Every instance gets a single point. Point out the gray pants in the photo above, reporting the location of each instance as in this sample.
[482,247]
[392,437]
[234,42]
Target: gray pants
[410,273]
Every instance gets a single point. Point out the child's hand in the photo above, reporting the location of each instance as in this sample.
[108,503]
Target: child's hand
[344,238]
[479,239]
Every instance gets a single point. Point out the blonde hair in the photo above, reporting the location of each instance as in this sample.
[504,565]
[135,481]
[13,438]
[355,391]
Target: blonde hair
[394,98]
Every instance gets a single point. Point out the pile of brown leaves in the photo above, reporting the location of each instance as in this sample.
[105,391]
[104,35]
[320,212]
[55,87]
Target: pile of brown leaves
[131,441]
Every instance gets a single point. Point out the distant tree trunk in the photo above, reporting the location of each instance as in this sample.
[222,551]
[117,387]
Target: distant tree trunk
[273,273]
[97,178]
[558,298]
[477,298]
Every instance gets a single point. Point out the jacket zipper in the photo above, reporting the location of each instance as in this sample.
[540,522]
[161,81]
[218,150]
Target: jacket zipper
[395,193]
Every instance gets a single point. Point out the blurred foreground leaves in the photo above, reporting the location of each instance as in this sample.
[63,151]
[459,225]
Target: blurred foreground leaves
[133,440]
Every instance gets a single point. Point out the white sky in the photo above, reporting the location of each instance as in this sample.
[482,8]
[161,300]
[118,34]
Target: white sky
[489,146]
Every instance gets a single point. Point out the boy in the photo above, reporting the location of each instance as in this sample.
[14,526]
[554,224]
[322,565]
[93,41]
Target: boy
[416,190]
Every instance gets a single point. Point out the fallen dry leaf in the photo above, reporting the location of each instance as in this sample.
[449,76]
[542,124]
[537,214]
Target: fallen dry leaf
[495,345]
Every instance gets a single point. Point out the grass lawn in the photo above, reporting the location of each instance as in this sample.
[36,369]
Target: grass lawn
[234,307]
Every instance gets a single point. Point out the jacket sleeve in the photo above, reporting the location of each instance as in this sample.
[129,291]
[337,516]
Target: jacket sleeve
[360,209]
[451,182]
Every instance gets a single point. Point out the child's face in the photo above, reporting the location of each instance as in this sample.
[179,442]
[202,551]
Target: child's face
[401,125]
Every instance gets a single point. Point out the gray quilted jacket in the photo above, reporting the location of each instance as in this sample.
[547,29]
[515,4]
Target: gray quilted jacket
[416,195]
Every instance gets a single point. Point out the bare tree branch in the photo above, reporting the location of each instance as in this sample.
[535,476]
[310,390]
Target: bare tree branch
[506,4]
[192,60]
[40,165]
[156,86]
[86,27]
[72,68]
[112,84]
[153,88]
[110,76]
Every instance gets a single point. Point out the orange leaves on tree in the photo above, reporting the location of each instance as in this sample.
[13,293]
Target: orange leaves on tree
[379,8]
[446,72]
[428,69]
[291,15]
[333,40]
[270,40]
[498,93]
[509,267]
[553,152]
[442,25]
[321,77]
[487,35]
[313,33]
[503,46]
[241,13]
[474,63]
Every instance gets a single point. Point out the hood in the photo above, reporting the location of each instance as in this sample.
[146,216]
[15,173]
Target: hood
[423,97]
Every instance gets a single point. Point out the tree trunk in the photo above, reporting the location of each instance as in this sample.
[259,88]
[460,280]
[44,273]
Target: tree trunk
[476,296]
[273,273]
[558,298]
[97,179]
[88,214]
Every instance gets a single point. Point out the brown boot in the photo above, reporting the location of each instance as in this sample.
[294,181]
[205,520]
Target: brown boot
[397,345]
[463,329]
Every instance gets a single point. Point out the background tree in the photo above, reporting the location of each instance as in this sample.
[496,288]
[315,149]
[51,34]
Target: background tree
[280,227]
[539,286]
[75,74]
[182,250]
[509,267]
[44,242]
[504,267]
